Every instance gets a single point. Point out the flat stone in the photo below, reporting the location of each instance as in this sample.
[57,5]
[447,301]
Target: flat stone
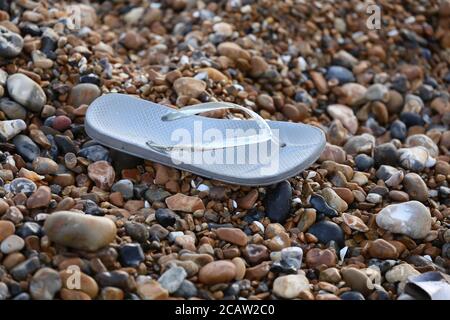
[40,199]
[190,87]
[217,272]
[360,144]
[12,243]
[415,187]
[12,109]
[172,279]
[27,149]
[232,235]
[7,229]
[11,128]
[83,93]
[278,202]
[423,141]
[44,166]
[382,249]
[151,290]
[327,231]
[411,218]
[334,200]
[102,173]
[79,231]
[125,187]
[131,254]
[355,222]
[181,202]
[11,43]
[357,280]
[290,286]
[415,158]
[45,284]
[317,257]
[26,92]
[345,115]
[400,273]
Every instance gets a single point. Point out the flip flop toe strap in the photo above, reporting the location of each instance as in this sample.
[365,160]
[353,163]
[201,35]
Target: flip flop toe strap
[264,134]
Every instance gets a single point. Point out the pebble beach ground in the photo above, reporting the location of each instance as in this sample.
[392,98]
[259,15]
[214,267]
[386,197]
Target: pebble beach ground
[81,221]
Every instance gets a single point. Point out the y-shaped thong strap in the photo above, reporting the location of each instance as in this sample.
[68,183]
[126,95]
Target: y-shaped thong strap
[264,134]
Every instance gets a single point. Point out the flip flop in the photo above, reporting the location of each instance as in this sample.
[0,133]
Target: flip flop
[246,152]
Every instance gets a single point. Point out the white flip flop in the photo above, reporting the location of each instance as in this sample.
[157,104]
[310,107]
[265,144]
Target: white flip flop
[246,152]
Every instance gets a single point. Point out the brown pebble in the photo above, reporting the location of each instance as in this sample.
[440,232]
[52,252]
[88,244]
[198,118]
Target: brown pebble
[217,272]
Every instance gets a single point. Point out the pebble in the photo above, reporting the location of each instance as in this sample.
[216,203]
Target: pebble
[7,229]
[382,249]
[333,200]
[342,74]
[331,275]
[317,257]
[61,123]
[290,260]
[131,254]
[364,162]
[102,173]
[181,202]
[11,43]
[12,243]
[186,290]
[290,286]
[416,188]
[26,92]
[45,284]
[385,154]
[360,144]
[278,202]
[11,128]
[307,219]
[12,109]
[355,222]
[357,280]
[318,202]
[374,198]
[83,93]
[79,231]
[377,92]
[22,270]
[4,291]
[392,176]
[40,198]
[156,195]
[165,217]
[423,141]
[352,295]
[137,231]
[27,149]
[345,115]
[398,130]
[232,235]
[411,218]
[95,153]
[190,87]
[326,231]
[44,166]
[24,185]
[217,272]
[125,187]
[400,273]
[87,284]
[172,279]
[151,290]
[416,158]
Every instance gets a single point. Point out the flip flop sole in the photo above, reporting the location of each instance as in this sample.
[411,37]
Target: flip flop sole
[127,123]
